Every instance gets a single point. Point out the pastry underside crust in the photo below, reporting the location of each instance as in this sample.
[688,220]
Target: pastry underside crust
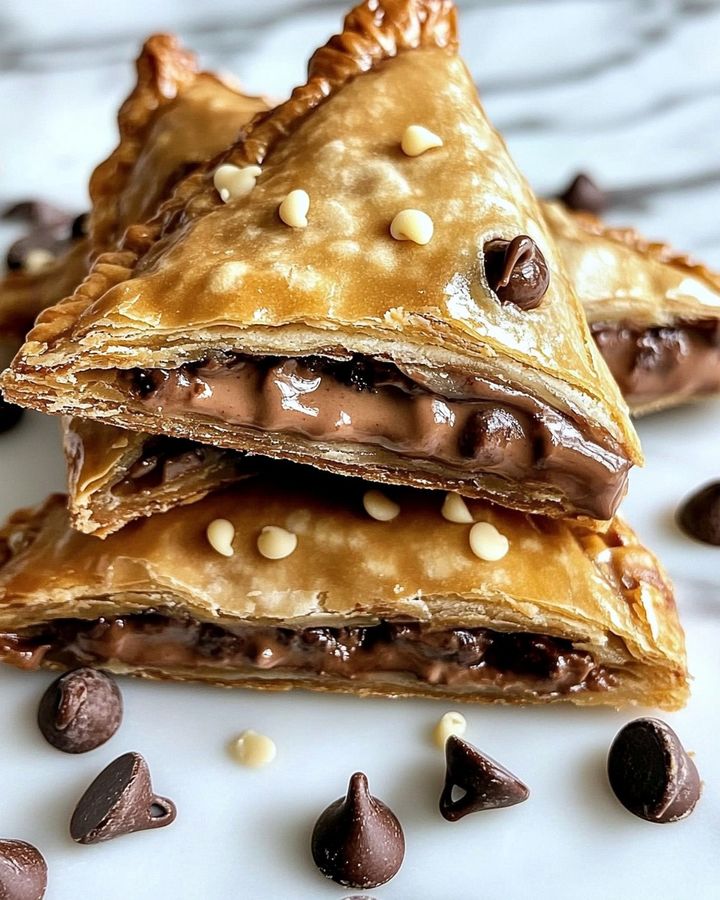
[242,281]
[562,601]
[654,312]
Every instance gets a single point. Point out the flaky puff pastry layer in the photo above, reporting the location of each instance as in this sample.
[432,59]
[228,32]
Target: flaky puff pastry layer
[605,593]
[175,117]
[240,279]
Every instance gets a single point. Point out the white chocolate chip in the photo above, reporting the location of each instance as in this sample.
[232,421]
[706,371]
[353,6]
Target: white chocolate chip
[455,509]
[451,723]
[220,534]
[253,749]
[37,260]
[412,225]
[276,543]
[232,182]
[487,543]
[417,139]
[294,209]
[380,507]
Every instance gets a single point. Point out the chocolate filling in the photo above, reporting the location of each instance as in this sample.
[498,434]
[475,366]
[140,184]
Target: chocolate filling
[649,364]
[162,460]
[471,426]
[459,657]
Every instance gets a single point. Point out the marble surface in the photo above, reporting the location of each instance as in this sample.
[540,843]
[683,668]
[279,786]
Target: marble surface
[623,88]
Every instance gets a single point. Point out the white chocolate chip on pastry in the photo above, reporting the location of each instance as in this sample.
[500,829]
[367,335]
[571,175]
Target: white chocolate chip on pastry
[220,534]
[455,509]
[294,209]
[451,723]
[487,543]
[276,543]
[380,507]
[254,749]
[417,139]
[412,225]
[232,182]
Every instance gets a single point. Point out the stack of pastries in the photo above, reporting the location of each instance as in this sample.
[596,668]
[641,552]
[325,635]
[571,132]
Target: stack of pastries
[334,402]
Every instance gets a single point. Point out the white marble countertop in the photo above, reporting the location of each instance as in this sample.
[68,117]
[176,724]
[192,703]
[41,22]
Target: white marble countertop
[628,90]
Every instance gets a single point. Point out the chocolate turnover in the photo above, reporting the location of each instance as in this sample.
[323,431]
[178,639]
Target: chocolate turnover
[516,270]
[471,659]
[120,801]
[52,232]
[699,514]
[583,195]
[410,411]
[485,783]
[681,361]
[23,871]
[80,710]
[651,773]
[358,841]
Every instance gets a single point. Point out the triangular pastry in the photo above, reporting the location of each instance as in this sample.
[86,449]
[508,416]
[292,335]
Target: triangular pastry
[359,342]
[299,579]
[175,117]
[654,313]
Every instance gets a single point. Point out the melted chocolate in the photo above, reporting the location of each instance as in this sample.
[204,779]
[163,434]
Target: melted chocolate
[360,400]
[460,657]
[649,364]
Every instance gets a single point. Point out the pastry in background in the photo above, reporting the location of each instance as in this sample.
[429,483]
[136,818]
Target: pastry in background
[301,579]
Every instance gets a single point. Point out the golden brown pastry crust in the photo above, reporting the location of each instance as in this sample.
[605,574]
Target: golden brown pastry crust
[606,593]
[620,276]
[426,305]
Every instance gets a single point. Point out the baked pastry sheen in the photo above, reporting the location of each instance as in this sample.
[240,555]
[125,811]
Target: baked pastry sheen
[212,300]
[398,607]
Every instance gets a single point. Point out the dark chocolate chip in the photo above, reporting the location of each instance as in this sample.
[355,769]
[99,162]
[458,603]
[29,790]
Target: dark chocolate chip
[488,434]
[23,871]
[80,710]
[37,213]
[79,226]
[10,414]
[516,270]
[487,784]
[651,773]
[358,841]
[120,801]
[699,515]
[583,195]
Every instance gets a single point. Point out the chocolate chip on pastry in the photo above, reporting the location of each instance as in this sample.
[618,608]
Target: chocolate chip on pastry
[484,783]
[23,871]
[120,801]
[350,295]
[358,841]
[699,514]
[583,195]
[80,710]
[574,635]
[516,270]
[651,773]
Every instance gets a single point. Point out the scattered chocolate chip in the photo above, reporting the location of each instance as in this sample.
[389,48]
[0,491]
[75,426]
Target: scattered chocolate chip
[79,226]
[120,801]
[23,871]
[651,773]
[80,710]
[489,435]
[583,195]
[10,415]
[36,212]
[699,515]
[358,841]
[487,784]
[516,270]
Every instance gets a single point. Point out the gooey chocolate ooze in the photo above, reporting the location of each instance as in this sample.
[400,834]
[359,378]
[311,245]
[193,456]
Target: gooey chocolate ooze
[464,658]
[469,425]
[649,364]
